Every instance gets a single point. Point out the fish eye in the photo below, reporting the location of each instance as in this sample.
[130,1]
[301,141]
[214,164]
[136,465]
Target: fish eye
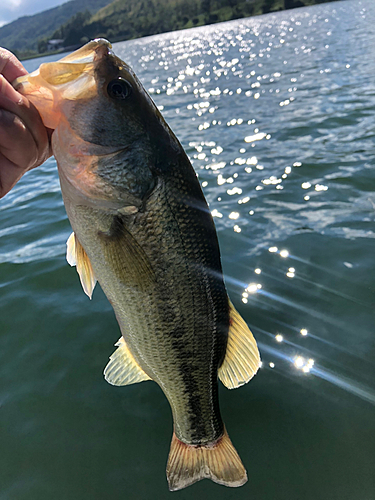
[119,89]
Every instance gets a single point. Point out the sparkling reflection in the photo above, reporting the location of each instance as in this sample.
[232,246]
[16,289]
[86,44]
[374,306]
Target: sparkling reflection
[303,364]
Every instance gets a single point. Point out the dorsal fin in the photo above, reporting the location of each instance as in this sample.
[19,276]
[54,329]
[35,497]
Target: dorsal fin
[242,359]
[122,368]
[76,256]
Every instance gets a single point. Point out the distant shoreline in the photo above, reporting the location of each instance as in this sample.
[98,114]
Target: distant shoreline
[124,20]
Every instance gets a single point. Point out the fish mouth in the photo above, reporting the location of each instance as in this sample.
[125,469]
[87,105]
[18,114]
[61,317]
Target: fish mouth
[70,78]
[68,68]
[90,52]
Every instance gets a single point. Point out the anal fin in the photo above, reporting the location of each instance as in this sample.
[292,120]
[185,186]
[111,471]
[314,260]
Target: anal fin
[242,358]
[76,256]
[122,368]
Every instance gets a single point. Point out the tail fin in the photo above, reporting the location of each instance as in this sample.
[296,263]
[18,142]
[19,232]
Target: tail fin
[218,461]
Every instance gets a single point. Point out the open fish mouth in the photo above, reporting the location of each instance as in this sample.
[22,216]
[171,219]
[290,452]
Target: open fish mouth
[69,67]
[70,78]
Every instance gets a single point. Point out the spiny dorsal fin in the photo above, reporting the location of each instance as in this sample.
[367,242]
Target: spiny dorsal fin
[123,368]
[218,461]
[242,359]
[76,256]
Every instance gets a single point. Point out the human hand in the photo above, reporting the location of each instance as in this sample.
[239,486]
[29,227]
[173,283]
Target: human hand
[24,140]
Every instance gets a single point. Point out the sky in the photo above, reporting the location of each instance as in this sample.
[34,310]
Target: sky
[13,9]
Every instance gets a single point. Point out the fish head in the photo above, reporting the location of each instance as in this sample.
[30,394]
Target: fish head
[99,109]
[94,91]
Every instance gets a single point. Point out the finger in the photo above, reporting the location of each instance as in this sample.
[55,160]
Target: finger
[10,66]
[7,90]
[32,121]
[17,143]
[10,174]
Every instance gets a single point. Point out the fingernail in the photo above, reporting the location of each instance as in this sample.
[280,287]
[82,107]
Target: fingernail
[2,84]
[8,91]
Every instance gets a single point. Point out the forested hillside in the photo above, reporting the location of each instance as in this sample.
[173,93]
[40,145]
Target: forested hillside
[23,34]
[126,19]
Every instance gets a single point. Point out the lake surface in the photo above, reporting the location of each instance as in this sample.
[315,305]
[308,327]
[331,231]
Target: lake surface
[277,115]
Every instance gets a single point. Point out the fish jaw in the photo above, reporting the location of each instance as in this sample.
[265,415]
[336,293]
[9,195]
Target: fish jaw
[77,163]
[55,88]
[89,51]
[109,150]
[68,79]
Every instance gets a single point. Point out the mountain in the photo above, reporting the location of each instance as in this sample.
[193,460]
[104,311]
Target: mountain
[77,21]
[126,19]
[23,34]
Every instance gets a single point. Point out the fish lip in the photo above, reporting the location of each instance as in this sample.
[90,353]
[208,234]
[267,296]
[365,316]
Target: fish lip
[92,51]
[102,42]
[104,48]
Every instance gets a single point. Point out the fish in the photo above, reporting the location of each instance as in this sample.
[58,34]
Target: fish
[143,230]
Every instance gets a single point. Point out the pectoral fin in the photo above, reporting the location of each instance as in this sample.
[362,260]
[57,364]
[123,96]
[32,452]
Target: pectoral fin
[242,359]
[122,368]
[126,257]
[76,256]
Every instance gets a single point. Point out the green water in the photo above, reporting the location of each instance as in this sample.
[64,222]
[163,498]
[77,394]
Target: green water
[278,109]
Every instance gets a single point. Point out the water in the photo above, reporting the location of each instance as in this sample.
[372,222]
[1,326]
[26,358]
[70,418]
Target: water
[277,115]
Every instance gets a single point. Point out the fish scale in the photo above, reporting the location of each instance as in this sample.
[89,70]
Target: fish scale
[198,338]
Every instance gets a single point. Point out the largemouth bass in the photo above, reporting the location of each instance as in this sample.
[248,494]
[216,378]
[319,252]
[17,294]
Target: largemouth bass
[143,230]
